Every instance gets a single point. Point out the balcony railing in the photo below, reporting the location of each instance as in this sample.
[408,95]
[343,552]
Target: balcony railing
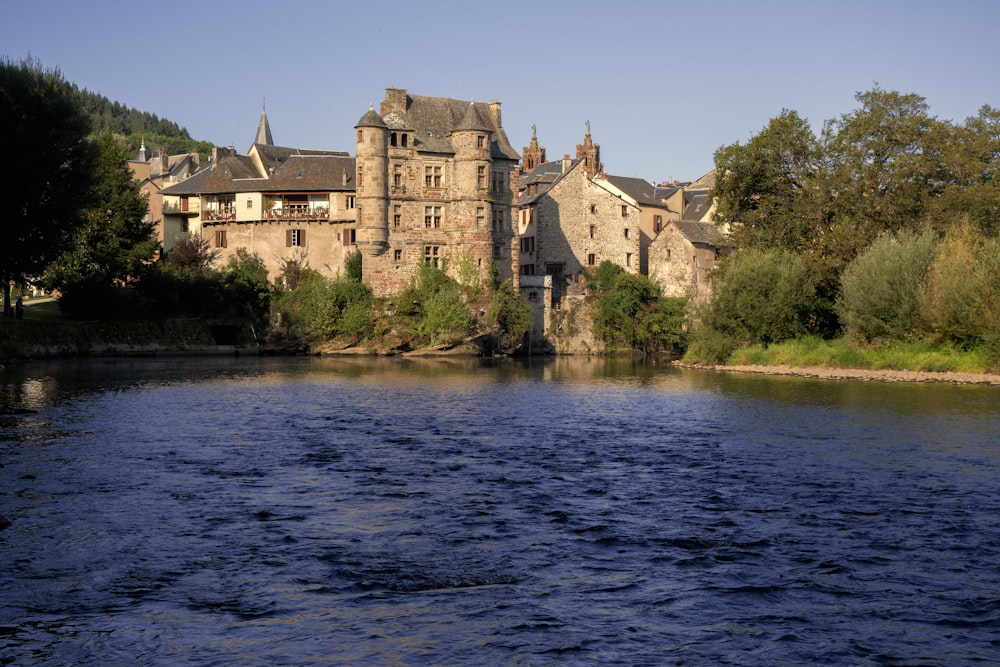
[178,209]
[221,214]
[297,214]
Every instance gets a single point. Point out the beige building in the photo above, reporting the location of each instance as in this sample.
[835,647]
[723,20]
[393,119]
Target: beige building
[282,204]
[159,172]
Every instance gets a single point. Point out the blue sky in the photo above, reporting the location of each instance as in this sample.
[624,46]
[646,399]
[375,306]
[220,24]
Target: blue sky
[662,83]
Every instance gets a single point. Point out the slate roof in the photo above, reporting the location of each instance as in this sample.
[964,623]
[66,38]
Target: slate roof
[701,232]
[287,170]
[644,192]
[433,119]
[696,204]
[545,176]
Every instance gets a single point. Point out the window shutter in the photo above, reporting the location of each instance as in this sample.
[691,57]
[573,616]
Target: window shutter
[302,237]
[288,238]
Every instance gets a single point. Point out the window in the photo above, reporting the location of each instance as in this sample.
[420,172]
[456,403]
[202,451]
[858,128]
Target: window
[497,220]
[361,174]
[668,253]
[397,255]
[593,208]
[480,216]
[497,251]
[295,237]
[593,231]
[499,179]
[657,223]
[591,259]
[528,244]
[532,296]
[392,139]
[481,177]
[220,238]
[527,269]
[349,201]
[624,210]
[432,255]
[397,216]
[184,225]
[349,236]
[432,217]
[397,176]
[628,259]
[432,176]
[481,141]
[249,204]
[626,232]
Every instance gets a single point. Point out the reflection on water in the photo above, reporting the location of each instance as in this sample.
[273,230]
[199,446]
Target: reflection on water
[464,511]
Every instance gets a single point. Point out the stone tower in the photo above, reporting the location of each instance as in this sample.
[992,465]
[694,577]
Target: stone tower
[533,154]
[590,153]
[372,179]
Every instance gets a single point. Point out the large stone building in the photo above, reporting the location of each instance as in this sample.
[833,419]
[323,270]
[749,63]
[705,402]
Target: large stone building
[436,182]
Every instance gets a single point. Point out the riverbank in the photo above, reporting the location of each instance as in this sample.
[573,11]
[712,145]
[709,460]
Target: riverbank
[826,373]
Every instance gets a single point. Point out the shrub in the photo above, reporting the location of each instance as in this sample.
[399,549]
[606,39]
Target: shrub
[879,289]
[760,297]
[509,317]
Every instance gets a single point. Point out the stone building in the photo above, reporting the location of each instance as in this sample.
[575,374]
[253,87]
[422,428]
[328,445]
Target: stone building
[683,256]
[567,225]
[436,182]
[159,172]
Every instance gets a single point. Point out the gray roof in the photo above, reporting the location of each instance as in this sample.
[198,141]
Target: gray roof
[701,232]
[287,170]
[696,203]
[545,176]
[433,119]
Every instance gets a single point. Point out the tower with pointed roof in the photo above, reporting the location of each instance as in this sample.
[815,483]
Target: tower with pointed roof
[263,129]
[372,188]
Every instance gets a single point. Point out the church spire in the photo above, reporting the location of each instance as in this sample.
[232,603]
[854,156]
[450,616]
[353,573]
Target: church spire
[263,129]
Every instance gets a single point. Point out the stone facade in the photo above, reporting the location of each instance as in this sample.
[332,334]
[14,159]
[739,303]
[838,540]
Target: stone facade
[437,179]
[573,226]
[683,257]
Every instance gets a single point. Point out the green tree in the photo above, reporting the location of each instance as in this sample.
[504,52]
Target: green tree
[631,314]
[880,288]
[245,277]
[508,317]
[886,162]
[45,180]
[761,297]
[768,189]
[116,241]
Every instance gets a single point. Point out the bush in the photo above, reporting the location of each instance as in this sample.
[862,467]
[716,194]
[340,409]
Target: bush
[760,297]
[319,308]
[631,314]
[509,317]
[879,290]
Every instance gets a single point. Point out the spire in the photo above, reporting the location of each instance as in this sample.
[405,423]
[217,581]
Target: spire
[263,129]
[141,157]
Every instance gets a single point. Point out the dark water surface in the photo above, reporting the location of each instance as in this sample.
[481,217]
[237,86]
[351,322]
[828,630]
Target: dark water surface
[573,512]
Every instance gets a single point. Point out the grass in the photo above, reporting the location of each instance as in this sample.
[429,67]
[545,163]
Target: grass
[842,353]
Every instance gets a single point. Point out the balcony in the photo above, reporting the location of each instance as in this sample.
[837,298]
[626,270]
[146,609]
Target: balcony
[180,209]
[297,213]
[221,214]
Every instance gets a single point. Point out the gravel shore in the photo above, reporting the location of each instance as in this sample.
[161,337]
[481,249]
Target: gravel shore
[825,373]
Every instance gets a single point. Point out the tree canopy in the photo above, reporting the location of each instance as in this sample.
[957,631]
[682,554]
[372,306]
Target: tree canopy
[46,179]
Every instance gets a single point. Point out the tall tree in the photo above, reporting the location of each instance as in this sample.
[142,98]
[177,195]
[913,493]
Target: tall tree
[117,239]
[886,163]
[767,188]
[45,178]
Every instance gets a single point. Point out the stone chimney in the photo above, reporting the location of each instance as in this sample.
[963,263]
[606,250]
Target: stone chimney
[566,163]
[395,100]
[495,112]
[164,161]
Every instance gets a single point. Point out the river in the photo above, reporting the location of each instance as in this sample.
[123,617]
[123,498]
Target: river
[306,511]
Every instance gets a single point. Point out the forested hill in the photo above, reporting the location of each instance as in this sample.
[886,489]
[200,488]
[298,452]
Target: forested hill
[139,126]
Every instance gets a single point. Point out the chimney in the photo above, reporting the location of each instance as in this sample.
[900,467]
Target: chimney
[495,112]
[395,100]
[345,177]
[164,160]
[566,162]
